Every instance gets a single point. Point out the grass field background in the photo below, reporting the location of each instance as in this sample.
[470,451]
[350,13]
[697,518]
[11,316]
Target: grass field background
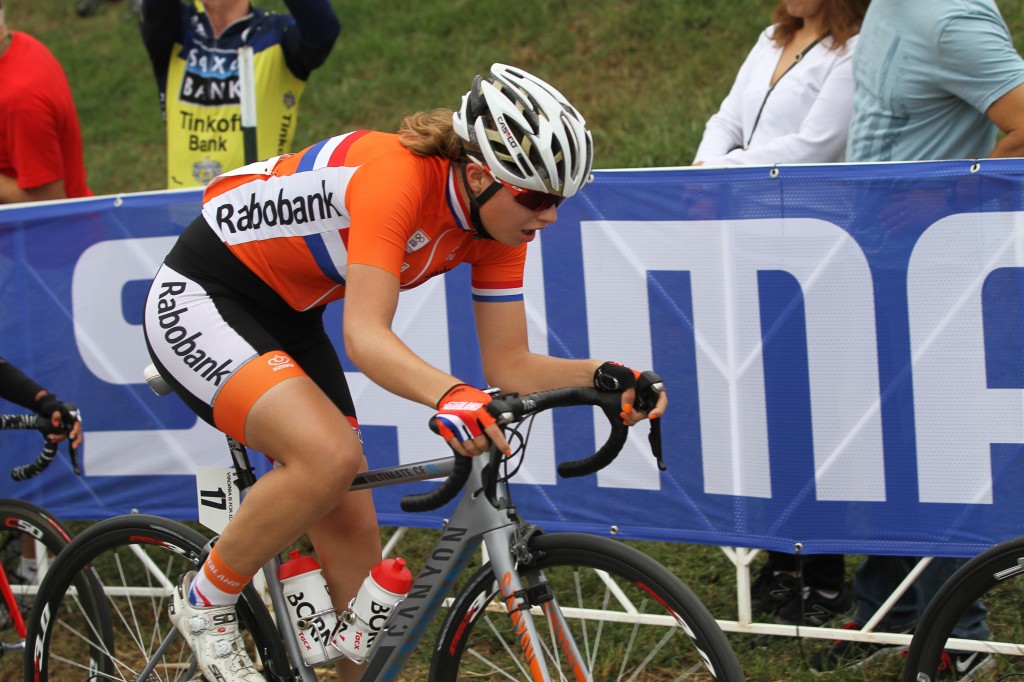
[645,73]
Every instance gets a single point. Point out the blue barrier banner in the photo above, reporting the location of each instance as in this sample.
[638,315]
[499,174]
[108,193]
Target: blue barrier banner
[843,347]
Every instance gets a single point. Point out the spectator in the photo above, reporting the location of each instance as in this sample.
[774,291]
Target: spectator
[793,95]
[934,80]
[792,102]
[40,138]
[193,48]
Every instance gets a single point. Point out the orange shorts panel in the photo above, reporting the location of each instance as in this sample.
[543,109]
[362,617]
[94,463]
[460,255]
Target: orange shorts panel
[243,388]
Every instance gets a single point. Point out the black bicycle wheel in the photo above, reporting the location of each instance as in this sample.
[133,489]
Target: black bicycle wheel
[30,539]
[995,577]
[137,559]
[629,616]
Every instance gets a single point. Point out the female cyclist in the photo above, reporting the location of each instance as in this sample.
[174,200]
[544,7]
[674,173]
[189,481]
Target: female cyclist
[234,317]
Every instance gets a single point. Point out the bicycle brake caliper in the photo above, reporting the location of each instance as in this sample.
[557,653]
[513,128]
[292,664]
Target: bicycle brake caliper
[521,544]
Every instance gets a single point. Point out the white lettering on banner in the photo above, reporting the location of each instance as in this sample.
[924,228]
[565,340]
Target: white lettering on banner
[112,348]
[723,258]
[957,416]
[162,452]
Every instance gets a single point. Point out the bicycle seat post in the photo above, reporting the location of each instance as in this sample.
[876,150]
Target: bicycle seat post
[243,468]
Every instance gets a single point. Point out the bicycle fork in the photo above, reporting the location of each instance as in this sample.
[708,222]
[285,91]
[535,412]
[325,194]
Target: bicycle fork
[521,599]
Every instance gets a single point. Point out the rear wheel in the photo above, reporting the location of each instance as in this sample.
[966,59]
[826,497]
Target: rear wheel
[138,560]
[630,618]
[996,577]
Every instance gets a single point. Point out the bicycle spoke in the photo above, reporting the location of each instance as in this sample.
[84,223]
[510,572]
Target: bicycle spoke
[135,559]
[618,622]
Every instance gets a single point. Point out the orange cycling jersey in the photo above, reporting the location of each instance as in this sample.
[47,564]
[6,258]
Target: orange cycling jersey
[298,220]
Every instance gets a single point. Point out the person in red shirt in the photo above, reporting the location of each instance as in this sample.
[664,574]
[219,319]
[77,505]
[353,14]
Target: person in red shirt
[234,319]
[40,137]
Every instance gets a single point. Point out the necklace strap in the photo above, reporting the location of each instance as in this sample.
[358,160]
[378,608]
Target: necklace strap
[796,60]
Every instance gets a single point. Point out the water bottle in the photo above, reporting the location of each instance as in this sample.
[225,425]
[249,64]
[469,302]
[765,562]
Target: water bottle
[309,607]
[369,611]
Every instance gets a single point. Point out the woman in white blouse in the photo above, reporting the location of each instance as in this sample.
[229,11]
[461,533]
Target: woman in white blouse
[791,103]
[793,96]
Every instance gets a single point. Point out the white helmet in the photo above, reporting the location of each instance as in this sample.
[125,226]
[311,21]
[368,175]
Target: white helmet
[527,132]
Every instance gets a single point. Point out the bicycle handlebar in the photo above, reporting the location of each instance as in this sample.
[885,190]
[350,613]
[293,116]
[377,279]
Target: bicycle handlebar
[514,408]
[45,427]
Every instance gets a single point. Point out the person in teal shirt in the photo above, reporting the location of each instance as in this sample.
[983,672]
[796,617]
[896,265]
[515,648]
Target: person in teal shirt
[936,80]
[933,80]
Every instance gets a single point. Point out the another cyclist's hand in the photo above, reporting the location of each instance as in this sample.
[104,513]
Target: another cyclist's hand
[643,393]
[464,420]
[63,417]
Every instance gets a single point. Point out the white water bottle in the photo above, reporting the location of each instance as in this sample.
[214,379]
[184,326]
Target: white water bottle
[369,611]
[312,615]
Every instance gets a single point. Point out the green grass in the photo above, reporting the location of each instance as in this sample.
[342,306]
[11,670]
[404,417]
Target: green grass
[645,73]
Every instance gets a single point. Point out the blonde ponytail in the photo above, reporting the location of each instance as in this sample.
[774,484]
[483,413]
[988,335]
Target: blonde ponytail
[430,133]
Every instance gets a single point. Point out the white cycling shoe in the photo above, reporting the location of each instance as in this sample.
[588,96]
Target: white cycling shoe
[212,634]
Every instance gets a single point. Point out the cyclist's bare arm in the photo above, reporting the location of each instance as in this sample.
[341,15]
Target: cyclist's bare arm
[509,364]
[371,298]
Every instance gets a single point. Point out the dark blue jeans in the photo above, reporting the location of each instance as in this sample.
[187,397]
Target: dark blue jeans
[878,576]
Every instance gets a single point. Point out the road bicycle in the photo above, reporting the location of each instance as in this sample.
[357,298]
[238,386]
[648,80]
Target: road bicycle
[29,530]
[542,607]
[994,577]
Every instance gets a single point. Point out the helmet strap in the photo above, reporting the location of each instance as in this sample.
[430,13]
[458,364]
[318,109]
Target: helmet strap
[476,201]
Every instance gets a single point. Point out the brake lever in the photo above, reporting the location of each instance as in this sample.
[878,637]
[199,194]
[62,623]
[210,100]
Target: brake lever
[73,452]
[648,387]
[654,438]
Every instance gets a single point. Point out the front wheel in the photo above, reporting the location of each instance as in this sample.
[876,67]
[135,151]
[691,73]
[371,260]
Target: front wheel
[996,576]
[138,560]
[629,617]
[30,539]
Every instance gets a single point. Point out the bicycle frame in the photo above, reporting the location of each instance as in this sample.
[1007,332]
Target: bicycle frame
[484,514]
[13,610]
[10,593]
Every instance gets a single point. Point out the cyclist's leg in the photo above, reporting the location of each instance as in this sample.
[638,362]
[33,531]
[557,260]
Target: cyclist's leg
[347,539]
[318,455]
[220,351]
[224,348]
[347,542]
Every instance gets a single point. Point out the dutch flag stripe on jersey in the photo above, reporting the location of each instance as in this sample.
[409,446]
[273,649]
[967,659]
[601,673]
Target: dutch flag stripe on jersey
[497,292]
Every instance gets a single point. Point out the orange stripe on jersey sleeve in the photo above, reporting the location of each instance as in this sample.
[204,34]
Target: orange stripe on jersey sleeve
[243,388]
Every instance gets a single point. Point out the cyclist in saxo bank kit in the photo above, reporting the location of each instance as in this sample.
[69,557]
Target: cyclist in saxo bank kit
[234,318]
